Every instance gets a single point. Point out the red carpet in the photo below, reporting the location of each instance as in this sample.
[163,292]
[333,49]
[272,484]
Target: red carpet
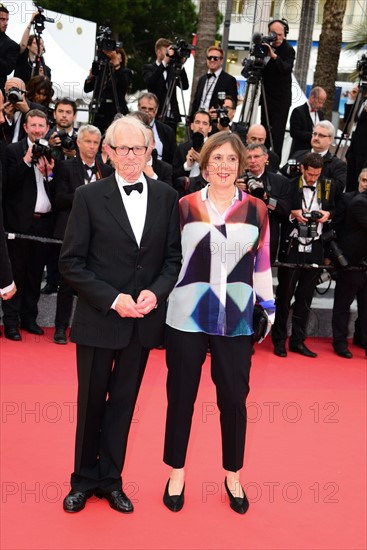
[304,471]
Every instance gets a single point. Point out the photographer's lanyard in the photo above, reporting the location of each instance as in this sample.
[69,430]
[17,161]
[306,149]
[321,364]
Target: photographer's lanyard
[309,207]
[209,88]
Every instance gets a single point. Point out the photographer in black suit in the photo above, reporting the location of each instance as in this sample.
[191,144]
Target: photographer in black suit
[312,206]
[277,81]
[158,77]
[164,135]
[28,199]
[9,49]
[214,81]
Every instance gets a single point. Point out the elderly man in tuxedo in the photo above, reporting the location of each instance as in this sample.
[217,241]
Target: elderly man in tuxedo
[122,254]
[305,118]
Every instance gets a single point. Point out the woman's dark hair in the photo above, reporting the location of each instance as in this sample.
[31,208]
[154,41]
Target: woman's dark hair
[39,84]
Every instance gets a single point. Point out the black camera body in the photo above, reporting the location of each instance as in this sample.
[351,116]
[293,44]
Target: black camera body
[258,40]
[222,112]
[41,148]
[254,186]
[67,142]
[309,230]
[105,41]
[181,50]
[197,141]
[15,95]
[314,215]
[293,168]
[40,20]
[329,238]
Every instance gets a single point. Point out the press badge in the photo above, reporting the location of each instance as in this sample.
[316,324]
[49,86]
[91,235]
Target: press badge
[305,248]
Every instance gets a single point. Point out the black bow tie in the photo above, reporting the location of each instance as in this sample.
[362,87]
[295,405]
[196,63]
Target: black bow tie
[209,75]
[312,187]
[136,187]
[93,168]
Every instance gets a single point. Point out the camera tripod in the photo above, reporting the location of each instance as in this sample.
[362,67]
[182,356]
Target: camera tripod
[347,131]
[253,85]
[176,77]
[105,74]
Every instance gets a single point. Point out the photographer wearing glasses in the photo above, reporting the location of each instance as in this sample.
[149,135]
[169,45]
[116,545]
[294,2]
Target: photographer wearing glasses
[214,81]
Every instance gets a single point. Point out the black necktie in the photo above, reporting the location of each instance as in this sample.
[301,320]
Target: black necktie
[136,187]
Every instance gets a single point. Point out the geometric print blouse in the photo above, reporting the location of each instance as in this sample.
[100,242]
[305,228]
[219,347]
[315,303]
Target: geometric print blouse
[225,266]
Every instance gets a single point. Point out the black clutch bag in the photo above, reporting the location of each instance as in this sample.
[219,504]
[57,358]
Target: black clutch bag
[259,323]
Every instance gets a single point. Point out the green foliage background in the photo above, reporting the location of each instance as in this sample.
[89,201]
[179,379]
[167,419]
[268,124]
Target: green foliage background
[137,23]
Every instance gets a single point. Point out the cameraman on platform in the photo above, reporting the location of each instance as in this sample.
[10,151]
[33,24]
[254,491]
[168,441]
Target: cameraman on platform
[273,189]
[312,204]
[27,202]
[158,77]
[117,76]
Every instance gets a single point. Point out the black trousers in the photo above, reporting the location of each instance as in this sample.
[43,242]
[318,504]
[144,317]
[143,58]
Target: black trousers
[230,370]
[108,386]
[278,121]
[28,259]
[64,305]
[349,284]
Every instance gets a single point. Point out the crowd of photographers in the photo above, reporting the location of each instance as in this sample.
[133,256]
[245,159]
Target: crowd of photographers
[313,221]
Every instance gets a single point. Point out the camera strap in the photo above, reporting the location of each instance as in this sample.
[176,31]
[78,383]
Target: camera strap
[309,207]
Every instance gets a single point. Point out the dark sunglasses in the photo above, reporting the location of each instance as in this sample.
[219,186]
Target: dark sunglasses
[213,58]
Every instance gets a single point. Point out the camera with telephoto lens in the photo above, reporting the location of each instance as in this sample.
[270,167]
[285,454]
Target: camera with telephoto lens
[181,50]
[41,148]
[67,142]
[40,20]
[222,112]
[254,64]
[309,229]
[14,95]
[105,41]
[329,238]
[254,186]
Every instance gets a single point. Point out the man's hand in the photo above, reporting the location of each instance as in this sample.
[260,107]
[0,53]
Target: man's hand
[22,106]
[298,215]
[45,167]
[54,140]
[28,156]
[146,301]
[9,110]
[191,157]
[126,307]
[325,216]
[9,294]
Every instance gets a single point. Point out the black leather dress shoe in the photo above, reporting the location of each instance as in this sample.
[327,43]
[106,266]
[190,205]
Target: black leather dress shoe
[279,350]
[60,336]
[75,500]
[173,502]
[49,289]
[302,350]
[32,328]
[12,333]
[343,352]
[117,499]
[239,505]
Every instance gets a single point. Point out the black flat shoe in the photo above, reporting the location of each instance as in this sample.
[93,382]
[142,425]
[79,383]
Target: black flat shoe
[173,502]
[239,505]
[302,350]
[32,328]
[75,501]
[117,500]
[12,333]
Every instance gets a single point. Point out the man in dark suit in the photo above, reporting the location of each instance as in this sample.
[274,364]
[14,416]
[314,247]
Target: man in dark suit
[15,113]
[224,122]
[351,284]
[301,243]
[214,81]
[185,161]
[165,137]
[277,83]
[273,189]
[9,49]
[122,255]
[333,168]
[159,77]
[28,198]
[81,170]
[155,168]
[305,118]
[7,285]
[357,152]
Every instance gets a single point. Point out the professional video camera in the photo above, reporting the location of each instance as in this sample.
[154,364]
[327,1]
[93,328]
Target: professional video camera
[222,112]
[309,229]
[41,148]
[329,238]
[40,20]
[105,41]
[181,50]
[14,95]
[254,64]
[362,67]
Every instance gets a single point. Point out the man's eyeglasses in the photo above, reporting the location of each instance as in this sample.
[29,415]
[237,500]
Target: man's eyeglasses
[316,134]
[213,58]
[123,151]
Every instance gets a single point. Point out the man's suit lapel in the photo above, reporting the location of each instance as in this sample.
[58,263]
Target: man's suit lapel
[116,207]
[152,206]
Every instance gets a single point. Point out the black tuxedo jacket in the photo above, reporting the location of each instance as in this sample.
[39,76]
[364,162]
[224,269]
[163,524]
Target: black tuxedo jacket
[9,51]
[20,189]
[153,76]
[179,160]
[6,276]
[301,127]
[168,139]
[100,258]
[354,242]
[70,176]
[163,170]
[225,83]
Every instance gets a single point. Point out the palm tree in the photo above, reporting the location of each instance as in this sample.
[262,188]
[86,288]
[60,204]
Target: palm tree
[329,50]
[305,42]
